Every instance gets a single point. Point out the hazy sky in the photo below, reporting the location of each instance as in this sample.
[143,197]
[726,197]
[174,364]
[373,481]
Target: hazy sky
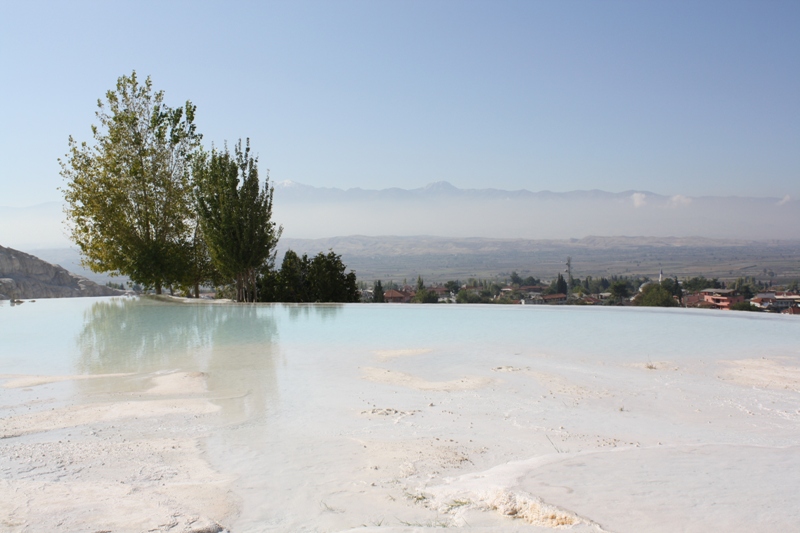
[688,98]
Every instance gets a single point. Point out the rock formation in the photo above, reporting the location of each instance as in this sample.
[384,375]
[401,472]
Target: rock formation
[23,276]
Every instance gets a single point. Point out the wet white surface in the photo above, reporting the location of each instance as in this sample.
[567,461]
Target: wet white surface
[401,418]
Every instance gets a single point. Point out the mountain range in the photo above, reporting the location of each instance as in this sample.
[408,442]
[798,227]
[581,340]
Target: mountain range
[441,209]
[444,210]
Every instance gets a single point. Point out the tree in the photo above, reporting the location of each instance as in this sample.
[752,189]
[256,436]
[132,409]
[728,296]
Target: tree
[619,290]
[328,282]
[745,306]
[199,268]
[697,284]
[673,287]
[321,279]
[236,216]
[530,280]
[516,279]
[561,285]
[377,293]
[468,297]
[655,295]
[128,194]
[423,295]
[293,278]
[452,286]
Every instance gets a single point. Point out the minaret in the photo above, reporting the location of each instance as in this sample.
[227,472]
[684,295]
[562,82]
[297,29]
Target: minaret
[569,276]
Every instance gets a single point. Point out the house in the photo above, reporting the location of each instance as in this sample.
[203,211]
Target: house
[763,300]
[786,300]
[440,291]
[794,310]
[396,297]
[721,298]
[555,299]
[693,300]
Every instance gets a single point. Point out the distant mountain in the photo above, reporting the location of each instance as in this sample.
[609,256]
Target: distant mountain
[445,210]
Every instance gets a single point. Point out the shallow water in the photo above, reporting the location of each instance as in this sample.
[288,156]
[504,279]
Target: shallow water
[334,417]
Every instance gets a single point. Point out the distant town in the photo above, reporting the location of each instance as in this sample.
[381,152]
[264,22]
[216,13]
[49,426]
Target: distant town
[743,294]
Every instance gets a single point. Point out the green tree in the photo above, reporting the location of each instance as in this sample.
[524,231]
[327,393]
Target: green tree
[236,216]
[328,282]
[293,278]
[321,279]
[619,290]
[468,297]
[516,279]
[452,286]
[673,287]
[128,194]
[655,295]
[561,285]
[745,306]
[377,293]
[423,295]
[699,283]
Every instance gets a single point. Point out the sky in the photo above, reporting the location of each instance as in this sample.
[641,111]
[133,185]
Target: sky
[679,98]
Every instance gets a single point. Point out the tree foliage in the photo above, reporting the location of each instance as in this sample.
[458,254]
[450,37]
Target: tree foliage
[698,283]
[377,293]
[619,290]
[470,297]
[745,306]
[453,286]
[328,280]
[655,295]
[423,295]
[235,214]
[127,194]
[560,285]
[320,279]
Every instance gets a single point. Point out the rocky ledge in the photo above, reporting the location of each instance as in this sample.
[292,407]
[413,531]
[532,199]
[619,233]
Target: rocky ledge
[23,276]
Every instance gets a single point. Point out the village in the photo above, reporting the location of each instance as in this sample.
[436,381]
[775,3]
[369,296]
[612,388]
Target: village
[624,292]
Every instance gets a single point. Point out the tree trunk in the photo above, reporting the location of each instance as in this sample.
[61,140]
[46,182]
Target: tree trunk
[158,287]
[197,290]
[239,287]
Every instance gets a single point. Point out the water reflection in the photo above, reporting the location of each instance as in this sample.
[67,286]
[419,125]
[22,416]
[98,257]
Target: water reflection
[124,335]
[304,311]
[235,345]
[242,362]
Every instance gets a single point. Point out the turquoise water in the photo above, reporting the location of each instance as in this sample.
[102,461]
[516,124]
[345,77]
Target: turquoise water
[87,336]
[353,407]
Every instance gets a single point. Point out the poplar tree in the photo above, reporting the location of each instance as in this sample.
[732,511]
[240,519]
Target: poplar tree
[377,292]
[235,214]
[128,194]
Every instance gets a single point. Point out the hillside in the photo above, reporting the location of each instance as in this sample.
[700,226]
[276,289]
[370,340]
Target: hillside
[24,276]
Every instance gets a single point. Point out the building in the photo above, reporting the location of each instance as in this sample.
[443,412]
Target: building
[396,297]
[721,298]
[555,299]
